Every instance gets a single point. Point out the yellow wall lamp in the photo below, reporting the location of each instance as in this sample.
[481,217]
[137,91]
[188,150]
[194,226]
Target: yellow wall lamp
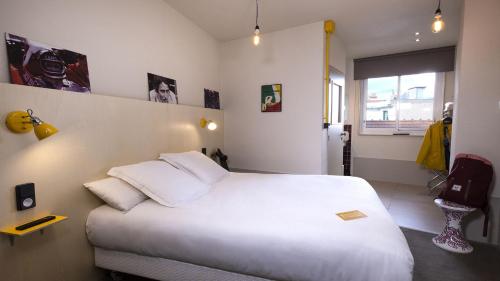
[209,124]
[21,122]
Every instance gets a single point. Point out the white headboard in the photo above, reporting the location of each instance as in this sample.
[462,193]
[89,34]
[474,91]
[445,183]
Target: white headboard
[95,133]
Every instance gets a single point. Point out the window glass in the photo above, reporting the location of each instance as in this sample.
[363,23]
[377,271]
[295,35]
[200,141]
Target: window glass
[381,101]
[416,101]
[399,104]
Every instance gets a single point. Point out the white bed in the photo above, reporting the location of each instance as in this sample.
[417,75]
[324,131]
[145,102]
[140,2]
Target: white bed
[279,227]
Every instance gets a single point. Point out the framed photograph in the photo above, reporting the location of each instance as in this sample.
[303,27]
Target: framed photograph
[212,99]
[162,89]
[39,65]
[271,98]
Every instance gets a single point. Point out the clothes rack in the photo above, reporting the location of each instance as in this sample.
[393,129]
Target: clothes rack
[437,139]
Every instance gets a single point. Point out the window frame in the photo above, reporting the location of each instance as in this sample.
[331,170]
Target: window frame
[439,89]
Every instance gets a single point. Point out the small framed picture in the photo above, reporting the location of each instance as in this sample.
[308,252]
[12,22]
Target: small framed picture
[162,89]
[212,99]
[271,98]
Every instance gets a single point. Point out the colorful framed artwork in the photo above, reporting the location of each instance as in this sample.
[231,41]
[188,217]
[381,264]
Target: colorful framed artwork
[40,65]
[162,89]
[271,98]
[212,99]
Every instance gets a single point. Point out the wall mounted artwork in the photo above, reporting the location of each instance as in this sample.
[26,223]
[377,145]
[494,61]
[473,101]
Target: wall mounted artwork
[39,65]
[162,89]
[271,98]
[212,99]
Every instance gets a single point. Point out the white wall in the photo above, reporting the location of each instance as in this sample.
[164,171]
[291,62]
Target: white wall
[477,113]
[123,40]
[289,141]
[338,54]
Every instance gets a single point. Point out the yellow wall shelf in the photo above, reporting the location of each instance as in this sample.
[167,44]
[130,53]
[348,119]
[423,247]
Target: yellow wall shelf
[12,232]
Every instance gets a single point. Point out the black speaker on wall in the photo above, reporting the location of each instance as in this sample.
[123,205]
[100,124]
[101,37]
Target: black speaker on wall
[25,196]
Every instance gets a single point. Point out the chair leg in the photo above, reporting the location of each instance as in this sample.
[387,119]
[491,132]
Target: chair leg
[438,179]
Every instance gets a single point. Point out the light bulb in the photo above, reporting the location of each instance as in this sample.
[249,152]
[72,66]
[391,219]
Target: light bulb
[256,37]
[211,126]
[438,24]
[256,40]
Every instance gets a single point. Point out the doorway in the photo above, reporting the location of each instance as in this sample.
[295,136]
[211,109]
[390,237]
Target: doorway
[336,136]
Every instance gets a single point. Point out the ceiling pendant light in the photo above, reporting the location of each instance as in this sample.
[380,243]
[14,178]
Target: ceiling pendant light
[438,23]
[256,36]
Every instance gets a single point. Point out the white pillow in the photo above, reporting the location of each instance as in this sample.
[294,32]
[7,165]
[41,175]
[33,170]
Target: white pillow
[163,183]
[116,193]
[197,164]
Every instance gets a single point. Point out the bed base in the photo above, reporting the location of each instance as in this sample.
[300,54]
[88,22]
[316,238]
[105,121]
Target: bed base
[163,269]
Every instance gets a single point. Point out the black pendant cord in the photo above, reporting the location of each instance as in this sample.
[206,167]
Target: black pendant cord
[438,11]
[257,15]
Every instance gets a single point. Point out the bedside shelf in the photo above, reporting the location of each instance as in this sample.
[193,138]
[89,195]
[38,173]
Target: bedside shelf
[12,232]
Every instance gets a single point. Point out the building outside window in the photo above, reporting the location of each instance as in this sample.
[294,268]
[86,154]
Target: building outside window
[405,104]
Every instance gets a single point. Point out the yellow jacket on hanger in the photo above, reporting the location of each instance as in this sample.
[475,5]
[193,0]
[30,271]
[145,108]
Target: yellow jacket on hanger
[431,153]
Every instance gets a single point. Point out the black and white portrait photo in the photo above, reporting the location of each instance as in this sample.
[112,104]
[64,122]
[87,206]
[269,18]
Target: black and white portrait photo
[162,89]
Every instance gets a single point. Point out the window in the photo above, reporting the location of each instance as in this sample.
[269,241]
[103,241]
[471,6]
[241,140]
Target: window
[405,104]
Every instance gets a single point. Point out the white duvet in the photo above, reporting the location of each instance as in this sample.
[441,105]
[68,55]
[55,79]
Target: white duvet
[279,227]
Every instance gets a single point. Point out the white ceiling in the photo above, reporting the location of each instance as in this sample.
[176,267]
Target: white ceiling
[367,27]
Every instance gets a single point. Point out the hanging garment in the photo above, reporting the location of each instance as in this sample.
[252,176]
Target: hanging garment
[432,151]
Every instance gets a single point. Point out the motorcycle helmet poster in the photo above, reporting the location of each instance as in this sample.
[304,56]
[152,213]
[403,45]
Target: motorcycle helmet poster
[39,65]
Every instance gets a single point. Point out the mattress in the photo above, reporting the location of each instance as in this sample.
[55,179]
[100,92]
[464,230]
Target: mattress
[281,227]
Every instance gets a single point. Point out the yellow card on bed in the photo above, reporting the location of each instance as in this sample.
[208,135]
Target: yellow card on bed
[351,215]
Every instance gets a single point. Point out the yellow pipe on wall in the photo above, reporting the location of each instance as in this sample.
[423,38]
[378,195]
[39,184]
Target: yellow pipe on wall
[329,30]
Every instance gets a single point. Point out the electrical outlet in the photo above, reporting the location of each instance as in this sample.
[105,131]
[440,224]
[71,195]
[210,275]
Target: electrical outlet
[25,196]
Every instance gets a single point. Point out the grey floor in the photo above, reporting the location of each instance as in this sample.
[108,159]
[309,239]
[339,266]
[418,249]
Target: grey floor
[434,264]
[410,206]
[413,209]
